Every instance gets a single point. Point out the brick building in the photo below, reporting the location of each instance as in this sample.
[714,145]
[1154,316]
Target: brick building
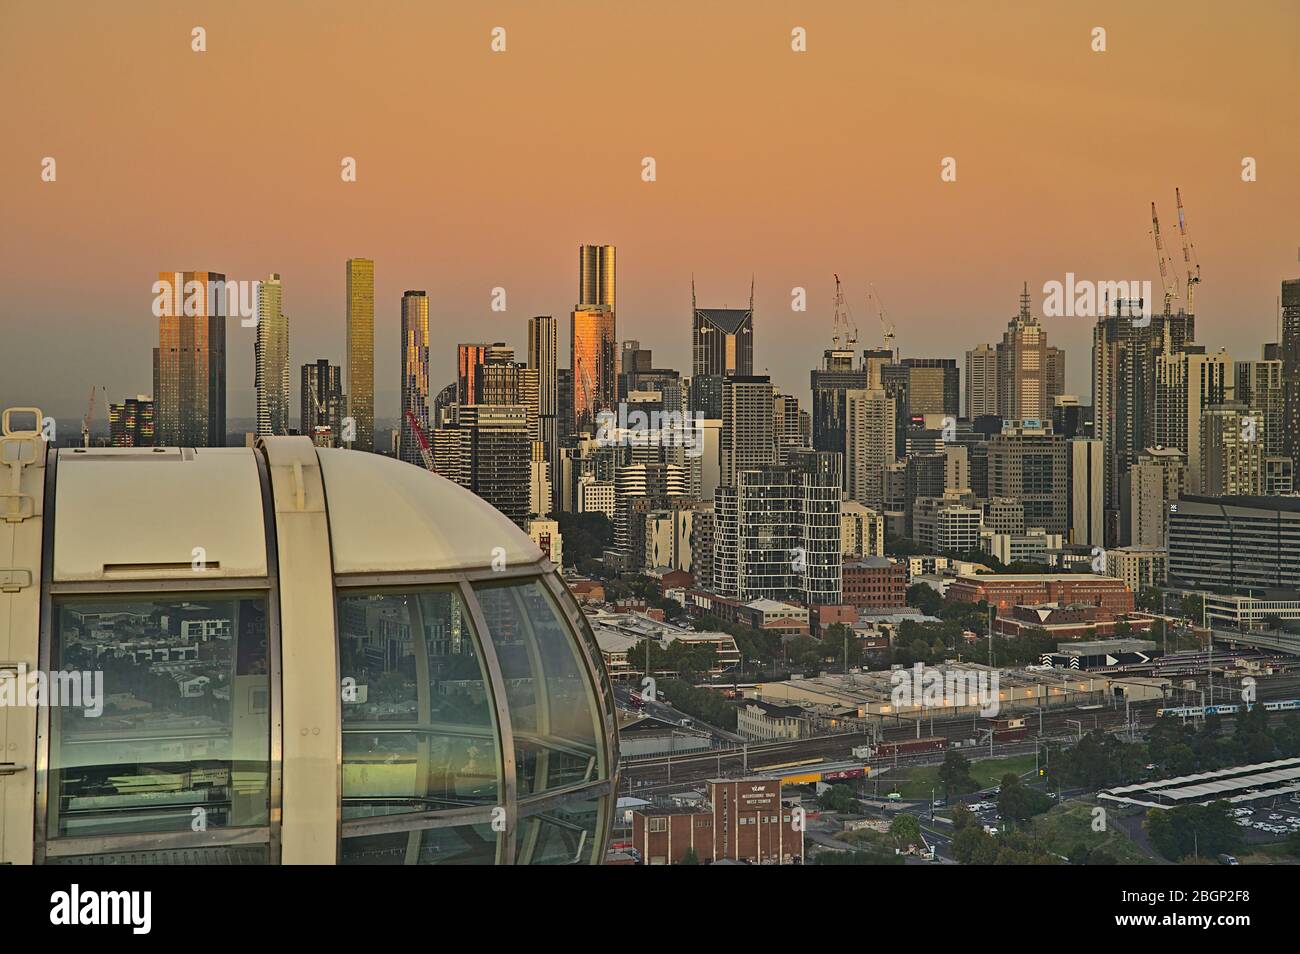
[1015,589]
[746,821]
[875,583]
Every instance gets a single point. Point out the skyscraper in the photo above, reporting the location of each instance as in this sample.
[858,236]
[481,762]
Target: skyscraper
[415,374]
[592,358]
[747,430]
[1023,368]
[189,364]
[1260,385]
[932,386]
[722,340]
[1031,464]
[1157,477]
[468,359]
[981,381]
[597,276]
[321,402]
[1290,354]
[131,423]
[1087,513]
[542,357]
[1188,382]
[1232,451]
[271,359]
[870,446]
[361,350]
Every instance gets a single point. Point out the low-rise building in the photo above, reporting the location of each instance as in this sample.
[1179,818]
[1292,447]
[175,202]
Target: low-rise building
[875,583]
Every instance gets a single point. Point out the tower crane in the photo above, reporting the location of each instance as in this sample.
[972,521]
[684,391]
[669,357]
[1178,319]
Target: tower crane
[425,454]
[90,415]
[1190,261]
[844,330]
[1170,286]
[886,326]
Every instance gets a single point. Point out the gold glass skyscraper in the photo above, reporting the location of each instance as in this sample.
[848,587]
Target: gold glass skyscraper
[271,359]
[592,356]
[415,374]
[361,352]
[189,364]
[596,276]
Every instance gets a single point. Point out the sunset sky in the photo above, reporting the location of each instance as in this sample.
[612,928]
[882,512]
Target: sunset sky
[479,169]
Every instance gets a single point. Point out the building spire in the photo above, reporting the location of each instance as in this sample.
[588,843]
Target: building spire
[1025,316]
[751,291]
[693,309]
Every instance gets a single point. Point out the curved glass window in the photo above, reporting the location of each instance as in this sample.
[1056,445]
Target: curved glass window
[159,715]
[418,722]
[553,713]
[563,834]
[459,845]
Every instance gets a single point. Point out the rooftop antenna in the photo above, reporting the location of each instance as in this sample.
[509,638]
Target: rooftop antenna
[751,292]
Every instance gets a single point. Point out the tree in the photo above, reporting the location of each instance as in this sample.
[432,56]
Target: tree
[925,598]
[1193,830]
[955,775]
[905,829]
[1019,804]
[838,798]
[690,858]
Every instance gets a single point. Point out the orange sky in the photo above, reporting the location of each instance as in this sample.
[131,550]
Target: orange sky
[479,169]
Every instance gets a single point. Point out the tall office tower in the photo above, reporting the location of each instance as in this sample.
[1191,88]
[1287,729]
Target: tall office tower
[361,351]
[565,428]
[1232,451]
[1071,419]
[271,360]
[1087,513]
[747,427]
[131,423]
[1022,368]
[1259,385]
[321,403]
[592,358]
[597,286]
[542,357]
[787,434]
[777,531]
[499,450]
[933,387]
[1055,375]
[981,382]
[1187,383]
[830,407]
[642,488]
[189,364]
[633,362]
[1031,464]
[1290,355]
[540,493]
[1124,346]
[1157,477]
[722,340]
[469,357]
[415,376]
[869,444]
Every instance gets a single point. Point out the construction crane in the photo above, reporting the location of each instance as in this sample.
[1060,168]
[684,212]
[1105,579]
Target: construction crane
[1190,261]
[1170,286]
[321,413]
[425,454]
[90,414]
[844,330]
[886,326]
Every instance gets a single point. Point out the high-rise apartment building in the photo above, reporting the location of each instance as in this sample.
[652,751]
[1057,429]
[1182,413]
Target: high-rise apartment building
[1232,451]
[1260,385]
[498,452]
[189,364]
[787,431]
[131,423]
[1188,382]
[1124,345]
[1087,510]
[361,351]
[1031,464]
[415,376]
[542,358]
[1289,352]
[981,382]
[321,402]
[271,359]
[469,358]
[747,428]
[1158,476]
[869,444]
[777,531]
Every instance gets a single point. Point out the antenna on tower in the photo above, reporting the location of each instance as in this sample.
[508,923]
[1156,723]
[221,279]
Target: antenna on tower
[693,293]
[1024,303]
[751,292]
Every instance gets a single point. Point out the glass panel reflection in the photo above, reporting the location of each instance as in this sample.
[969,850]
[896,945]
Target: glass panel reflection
[179,737]
[461,845]
[552,709]
[561,835]
[418,731]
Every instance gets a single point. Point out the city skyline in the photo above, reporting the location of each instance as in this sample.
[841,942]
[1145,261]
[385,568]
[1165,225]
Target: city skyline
[1068,191]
